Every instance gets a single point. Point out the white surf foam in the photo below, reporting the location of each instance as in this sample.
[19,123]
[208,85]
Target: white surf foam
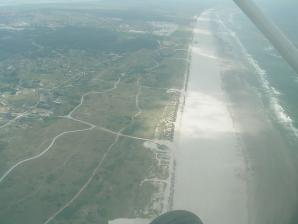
[273,94]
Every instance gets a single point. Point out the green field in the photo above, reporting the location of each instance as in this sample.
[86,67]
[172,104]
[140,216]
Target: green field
[82,88]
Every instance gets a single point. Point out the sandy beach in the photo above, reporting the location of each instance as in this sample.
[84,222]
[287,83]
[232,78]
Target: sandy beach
[233,164]
[209,163]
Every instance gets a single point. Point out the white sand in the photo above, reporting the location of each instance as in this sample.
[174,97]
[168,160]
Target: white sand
[210,166]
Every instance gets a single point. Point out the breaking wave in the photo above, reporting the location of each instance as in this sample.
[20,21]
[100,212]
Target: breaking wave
[272,93]
[279,111]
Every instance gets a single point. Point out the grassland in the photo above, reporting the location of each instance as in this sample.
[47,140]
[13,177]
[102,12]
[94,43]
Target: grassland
[80,94]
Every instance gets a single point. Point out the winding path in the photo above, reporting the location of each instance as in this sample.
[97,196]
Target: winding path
[13,120]
[52,217]
[69,116]
[118,135]
[89,128]
[43,152]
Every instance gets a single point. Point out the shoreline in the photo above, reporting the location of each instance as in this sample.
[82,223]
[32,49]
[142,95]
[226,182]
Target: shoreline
[272,179]
[177,123]
[197,174]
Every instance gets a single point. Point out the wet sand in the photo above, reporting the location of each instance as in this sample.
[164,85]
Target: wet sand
[233,164]
[210,167]
[270,155]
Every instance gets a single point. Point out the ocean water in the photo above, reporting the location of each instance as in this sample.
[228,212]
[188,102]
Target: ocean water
[273,152]
[278,81]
